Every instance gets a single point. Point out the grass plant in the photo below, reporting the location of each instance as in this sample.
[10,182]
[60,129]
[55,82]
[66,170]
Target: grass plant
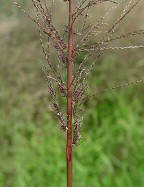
[73,87]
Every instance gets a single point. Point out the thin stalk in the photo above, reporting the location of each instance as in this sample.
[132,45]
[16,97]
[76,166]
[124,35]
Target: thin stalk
[69,153]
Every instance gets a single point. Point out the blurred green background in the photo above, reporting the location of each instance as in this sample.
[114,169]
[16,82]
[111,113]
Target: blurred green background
[32,149]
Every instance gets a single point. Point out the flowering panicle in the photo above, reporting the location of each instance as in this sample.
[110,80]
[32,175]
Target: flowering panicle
[92,39]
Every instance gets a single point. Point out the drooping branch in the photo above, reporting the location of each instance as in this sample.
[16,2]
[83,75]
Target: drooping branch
[113,88]
[96,46]
[80,9]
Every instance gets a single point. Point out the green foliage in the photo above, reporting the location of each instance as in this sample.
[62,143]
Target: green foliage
[111,153]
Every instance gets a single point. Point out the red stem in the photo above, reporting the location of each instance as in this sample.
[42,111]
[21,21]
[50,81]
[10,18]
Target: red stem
[69,154]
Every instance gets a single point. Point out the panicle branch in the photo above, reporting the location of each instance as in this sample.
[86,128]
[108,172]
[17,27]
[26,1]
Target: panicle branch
[53,74]
[114,88]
